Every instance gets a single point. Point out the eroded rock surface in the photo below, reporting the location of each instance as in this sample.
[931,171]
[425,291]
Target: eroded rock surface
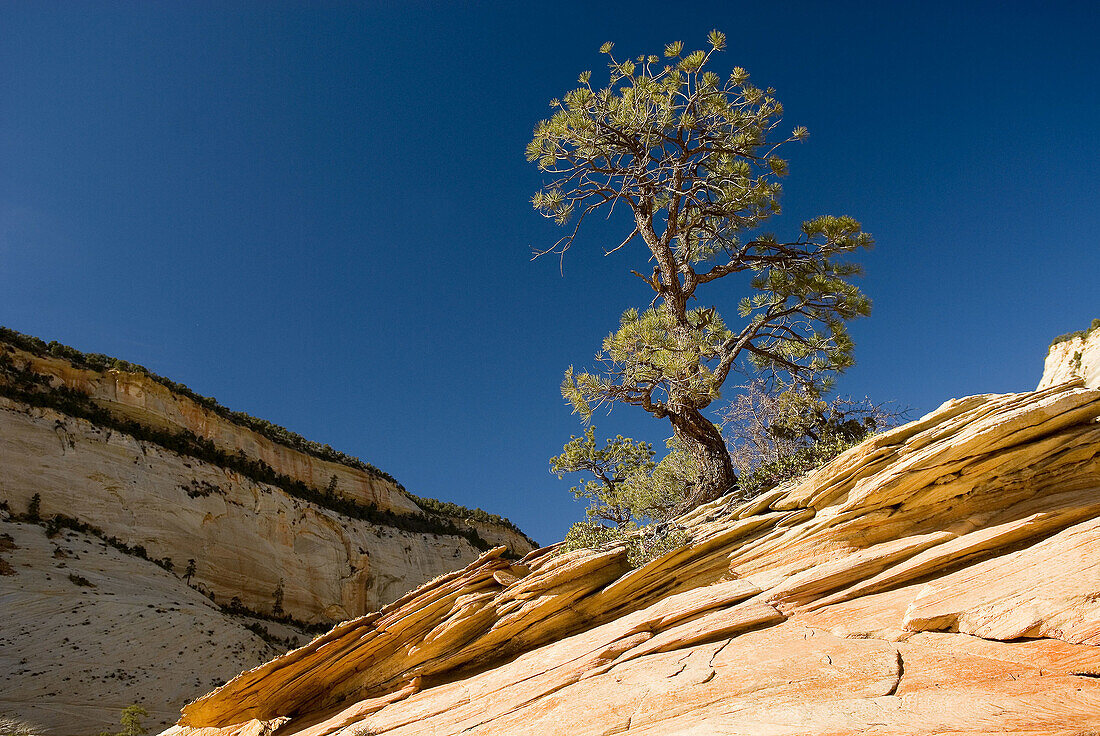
[941,577]
[1077,357]
[257,548]
[87,630]
[244,536]
[248,537]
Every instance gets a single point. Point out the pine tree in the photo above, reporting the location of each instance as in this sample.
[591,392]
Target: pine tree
[619,488]
[131,722]
[693,159]
[34,508]
[277,600]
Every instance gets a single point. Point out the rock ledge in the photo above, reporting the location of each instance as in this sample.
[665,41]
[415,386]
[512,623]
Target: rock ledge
[943,576]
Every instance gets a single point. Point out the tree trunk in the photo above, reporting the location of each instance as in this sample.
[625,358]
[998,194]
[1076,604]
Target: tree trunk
[714,474]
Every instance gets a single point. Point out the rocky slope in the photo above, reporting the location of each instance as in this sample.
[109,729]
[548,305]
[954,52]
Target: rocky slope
[102,446]
[1077,356]
[89,629]
[941,577]
[245,536]
[147,473]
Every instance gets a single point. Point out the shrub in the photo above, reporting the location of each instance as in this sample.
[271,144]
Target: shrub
[618,489]
[80,581]
[642,543]
[1079,333]
[131,722]
[627,488]
[778,435]
[236,608]
[201,489]
[457,511]
[34,508]
[277,599]
[262,632]
[788,467]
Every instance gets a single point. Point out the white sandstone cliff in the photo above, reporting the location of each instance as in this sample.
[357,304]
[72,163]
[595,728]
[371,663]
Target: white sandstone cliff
[91,624]
[1077,357]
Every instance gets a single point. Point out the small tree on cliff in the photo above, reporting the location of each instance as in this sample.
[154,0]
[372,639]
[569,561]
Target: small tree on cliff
[626,488]
[131,722]
[694,159]
[620,489]
[277,599]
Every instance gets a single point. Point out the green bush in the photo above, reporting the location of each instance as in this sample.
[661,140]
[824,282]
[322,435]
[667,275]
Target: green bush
[262,632]
[621,481]
[802,461]
[1079,333]
[778,433]
[642,543]
[80,581]
[131,722]
[237,608]
[627,488]
[457,511]
[34,508]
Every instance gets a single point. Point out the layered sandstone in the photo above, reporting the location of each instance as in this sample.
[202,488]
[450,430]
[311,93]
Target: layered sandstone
[248,538]
[152,635]
[941,577]
[244,536]
[139,397]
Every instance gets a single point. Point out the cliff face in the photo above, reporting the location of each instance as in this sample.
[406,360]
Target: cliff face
[941,577]
[244,536]
[128,472]
[88,629]
[1077,357]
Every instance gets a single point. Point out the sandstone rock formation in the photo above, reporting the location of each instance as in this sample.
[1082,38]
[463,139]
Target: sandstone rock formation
[941,577]
[245,535]
[1075,357]
[87,630]
[267,547]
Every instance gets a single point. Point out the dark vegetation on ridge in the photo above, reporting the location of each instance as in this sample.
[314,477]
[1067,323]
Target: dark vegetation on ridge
[100,362]
[35,389]
[1079,333]
[188,443]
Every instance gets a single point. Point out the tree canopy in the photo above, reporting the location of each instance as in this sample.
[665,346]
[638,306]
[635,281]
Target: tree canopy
[693,156]
[775,437]
[625,485]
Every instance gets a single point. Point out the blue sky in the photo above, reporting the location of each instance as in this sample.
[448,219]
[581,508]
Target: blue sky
[319,213]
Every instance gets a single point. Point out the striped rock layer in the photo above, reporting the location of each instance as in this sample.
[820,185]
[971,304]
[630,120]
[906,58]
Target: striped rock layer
[941,577]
